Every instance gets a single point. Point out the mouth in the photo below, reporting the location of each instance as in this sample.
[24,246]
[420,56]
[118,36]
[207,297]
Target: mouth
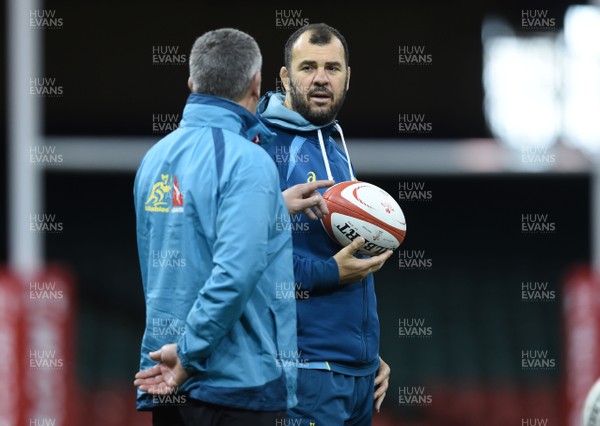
[320,97]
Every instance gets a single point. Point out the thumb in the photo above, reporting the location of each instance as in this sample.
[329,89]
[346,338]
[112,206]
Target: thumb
[356,244]
[156,355]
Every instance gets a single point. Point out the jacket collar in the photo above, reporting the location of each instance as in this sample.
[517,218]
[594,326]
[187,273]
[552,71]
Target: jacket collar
[213,111]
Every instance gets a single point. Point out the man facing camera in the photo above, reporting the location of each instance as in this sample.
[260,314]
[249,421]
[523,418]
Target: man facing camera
[341,377]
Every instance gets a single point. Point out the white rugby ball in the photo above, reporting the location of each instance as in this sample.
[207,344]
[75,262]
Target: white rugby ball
[359,208]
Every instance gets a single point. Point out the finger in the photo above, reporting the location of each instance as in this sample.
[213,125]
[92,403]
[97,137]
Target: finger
[317,204]
[146,387]
[378,402]
[376,262]
[308,212]
[317,184]
[143,388]
[371,264]
[322,205]
[318,212]
[387,255]
[380,378]
[315,200]
[150,383]
[151,372]
[154,380]
[139,383]
[157,389]
[310,202]
[383,256]
[354,246]
[384,386]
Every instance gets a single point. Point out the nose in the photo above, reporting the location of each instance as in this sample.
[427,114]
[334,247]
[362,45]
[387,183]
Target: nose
[321,78]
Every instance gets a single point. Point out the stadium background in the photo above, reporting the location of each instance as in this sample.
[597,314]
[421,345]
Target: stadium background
[468,227]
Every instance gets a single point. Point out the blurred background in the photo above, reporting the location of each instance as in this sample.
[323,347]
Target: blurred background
[482,119]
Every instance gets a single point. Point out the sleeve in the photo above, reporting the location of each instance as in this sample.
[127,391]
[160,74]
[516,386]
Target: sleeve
[311,274]
[245,210]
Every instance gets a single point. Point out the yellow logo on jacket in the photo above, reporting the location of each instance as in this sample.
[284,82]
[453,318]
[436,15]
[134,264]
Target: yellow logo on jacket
[312,176]
[161,200]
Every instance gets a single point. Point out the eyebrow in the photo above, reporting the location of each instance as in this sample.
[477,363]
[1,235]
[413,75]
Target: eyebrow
[312,62]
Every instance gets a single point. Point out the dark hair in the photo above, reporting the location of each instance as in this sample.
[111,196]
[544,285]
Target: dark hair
[321,35]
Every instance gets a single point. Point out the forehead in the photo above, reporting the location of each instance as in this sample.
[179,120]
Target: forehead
[303,50]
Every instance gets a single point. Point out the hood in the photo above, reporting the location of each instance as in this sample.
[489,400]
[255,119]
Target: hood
[271,108]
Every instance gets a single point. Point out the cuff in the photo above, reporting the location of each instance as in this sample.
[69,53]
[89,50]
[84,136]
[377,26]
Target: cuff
[181,353]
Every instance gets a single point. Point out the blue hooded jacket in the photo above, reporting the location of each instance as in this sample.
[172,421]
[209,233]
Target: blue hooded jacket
[338,327]
[214,249]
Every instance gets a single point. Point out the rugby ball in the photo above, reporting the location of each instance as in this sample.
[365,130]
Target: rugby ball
[362,209]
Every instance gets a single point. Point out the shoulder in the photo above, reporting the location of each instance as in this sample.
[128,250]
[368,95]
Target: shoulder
[154,154]
[245,154]
[239,145]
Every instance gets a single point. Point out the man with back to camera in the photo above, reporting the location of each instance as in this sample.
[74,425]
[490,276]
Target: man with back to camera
[338,327]
[212,245]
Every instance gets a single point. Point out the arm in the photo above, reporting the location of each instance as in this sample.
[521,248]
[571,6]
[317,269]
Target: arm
[342,268]
[313,274]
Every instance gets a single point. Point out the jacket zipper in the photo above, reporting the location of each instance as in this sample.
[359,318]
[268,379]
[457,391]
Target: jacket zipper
[365,317]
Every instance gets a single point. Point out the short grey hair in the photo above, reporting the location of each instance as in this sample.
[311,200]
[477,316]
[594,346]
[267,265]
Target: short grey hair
[223,62]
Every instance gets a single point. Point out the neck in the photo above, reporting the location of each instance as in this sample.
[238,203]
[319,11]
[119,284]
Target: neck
[287,102]
[250,103]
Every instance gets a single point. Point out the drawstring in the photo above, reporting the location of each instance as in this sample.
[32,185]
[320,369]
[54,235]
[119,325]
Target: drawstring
[324,152]
[339,129]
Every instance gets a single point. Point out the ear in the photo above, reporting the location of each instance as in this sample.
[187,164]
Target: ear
[348,80]
[190,84]
[255,87]
[285,79]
